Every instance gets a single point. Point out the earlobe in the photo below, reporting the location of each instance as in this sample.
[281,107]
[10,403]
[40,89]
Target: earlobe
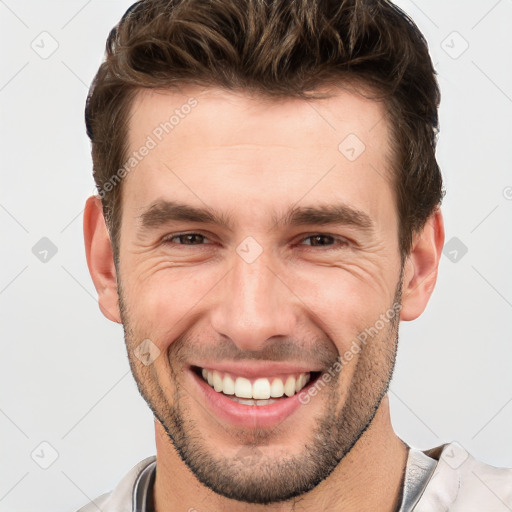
[421,267]
[100,260]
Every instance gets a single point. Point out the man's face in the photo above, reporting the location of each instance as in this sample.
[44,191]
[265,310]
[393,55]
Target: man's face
[278,289]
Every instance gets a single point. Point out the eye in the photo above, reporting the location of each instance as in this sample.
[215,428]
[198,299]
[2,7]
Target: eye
[185,239]
[325,240]
[315,240]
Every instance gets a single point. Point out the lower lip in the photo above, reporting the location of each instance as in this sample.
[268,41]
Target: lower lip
[252,416]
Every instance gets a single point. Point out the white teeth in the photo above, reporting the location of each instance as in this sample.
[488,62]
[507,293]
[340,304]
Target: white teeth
[217,381]
[300,383]
[261,390]
[245,402]
[289,387]
[243,387]
[228,385]
[277,388]
[252,402]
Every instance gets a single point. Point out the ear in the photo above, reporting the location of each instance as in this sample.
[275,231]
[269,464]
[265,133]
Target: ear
[421,266]
[100,259]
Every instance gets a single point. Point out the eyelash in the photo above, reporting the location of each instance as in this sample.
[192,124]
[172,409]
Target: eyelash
[341,240]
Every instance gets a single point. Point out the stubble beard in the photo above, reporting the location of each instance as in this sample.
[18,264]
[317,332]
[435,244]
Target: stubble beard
[254,476]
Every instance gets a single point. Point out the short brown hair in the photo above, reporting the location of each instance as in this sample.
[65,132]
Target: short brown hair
[278,48]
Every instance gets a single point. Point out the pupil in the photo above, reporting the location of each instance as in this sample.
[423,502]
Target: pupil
[191,238]
[321,239]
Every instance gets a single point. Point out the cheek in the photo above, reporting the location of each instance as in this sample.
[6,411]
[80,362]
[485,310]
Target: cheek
[343,303]
[165,301]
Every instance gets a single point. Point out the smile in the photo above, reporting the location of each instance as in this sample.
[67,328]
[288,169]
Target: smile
[252,400]
[258,391]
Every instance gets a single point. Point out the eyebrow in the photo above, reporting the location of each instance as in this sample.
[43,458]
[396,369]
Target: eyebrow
[163,212]
[327,214]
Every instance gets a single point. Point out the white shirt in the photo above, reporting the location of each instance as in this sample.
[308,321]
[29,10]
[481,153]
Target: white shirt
[445,478]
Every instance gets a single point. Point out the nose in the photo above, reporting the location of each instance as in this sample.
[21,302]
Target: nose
[253,304]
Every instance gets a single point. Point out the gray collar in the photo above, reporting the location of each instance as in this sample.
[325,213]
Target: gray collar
[418,471]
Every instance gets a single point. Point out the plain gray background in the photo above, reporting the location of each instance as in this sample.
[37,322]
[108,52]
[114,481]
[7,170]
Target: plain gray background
[68,400]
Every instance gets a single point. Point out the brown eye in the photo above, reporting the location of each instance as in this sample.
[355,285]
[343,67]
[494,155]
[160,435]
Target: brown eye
[323,240]
[320,240]
[186,239]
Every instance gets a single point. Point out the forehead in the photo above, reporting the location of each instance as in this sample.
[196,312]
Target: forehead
[214,114]
[212,141]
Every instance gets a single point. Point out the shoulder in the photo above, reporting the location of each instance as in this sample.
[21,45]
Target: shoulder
[460,483]
[121,498]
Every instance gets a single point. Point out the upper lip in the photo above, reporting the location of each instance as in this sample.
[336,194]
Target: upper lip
[256,369]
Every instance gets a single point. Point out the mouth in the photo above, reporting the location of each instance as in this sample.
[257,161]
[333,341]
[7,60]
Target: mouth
[255,391]
[255,401]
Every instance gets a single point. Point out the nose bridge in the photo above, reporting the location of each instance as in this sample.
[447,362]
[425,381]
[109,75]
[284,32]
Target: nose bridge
[254,304]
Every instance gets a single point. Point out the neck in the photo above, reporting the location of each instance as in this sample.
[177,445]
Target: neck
[368,478]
